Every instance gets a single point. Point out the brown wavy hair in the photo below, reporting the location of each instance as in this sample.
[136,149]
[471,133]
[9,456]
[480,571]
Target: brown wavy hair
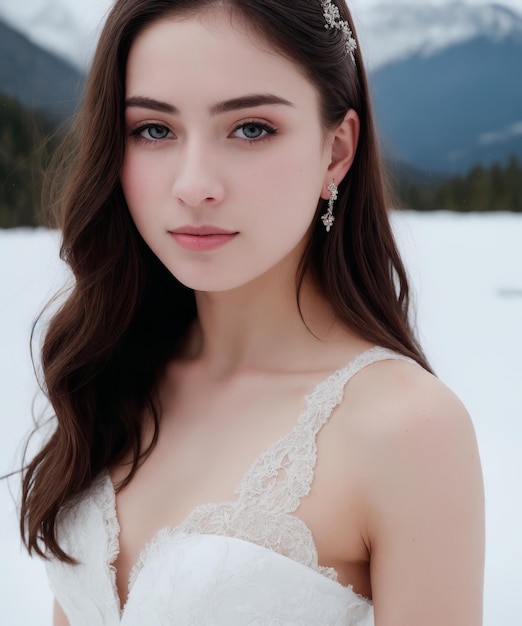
[126,314]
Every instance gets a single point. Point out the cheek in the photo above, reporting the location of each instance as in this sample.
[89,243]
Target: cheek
[139,180]
[288,188]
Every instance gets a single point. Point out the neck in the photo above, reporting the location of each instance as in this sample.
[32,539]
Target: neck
[259,326]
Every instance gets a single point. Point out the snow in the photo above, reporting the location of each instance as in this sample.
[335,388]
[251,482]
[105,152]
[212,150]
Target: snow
[393,32]
[68,28]
[512,131]
[467,276]
[389,30]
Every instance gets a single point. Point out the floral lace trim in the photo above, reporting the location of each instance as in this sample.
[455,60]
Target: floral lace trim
[104,496]
[269,492]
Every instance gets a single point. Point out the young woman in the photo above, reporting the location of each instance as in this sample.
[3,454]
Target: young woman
[246,429]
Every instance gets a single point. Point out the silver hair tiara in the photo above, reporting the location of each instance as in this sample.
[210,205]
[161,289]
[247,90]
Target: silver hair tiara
[332,15]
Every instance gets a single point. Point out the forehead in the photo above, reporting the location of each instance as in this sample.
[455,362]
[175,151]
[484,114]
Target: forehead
[211,56]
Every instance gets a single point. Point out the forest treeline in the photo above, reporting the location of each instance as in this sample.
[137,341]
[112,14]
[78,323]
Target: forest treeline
[28,139]
[494,188]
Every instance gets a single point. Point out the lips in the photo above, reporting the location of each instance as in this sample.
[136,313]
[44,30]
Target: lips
[202,238]
[201,231]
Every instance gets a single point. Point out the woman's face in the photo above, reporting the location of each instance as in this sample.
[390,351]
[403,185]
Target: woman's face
[225,157]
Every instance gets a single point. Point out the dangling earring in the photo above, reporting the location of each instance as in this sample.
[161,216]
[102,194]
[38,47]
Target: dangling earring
[328,218]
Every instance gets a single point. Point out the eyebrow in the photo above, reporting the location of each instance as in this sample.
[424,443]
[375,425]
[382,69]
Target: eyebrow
[248,102]
[235,104]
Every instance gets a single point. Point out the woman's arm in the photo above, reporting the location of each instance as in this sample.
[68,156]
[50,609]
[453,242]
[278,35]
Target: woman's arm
[426,511]
[59,618]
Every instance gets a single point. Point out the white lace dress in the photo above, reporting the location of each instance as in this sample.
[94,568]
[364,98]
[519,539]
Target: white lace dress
[249,561]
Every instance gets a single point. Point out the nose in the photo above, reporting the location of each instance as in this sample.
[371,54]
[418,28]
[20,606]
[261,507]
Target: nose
[197,182]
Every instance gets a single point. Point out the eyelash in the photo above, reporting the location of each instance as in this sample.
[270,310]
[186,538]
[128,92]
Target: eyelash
[137,133]
[270,131]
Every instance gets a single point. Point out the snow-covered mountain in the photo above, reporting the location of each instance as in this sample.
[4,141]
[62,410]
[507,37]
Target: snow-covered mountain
[453,108]
[404,28]
[67,28]
[389,29]
[35,77]
[446,75]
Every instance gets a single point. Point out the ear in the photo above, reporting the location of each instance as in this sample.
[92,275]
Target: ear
[342,149]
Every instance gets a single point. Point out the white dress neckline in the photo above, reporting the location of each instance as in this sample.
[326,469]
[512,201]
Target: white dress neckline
[249,561]
[281,499]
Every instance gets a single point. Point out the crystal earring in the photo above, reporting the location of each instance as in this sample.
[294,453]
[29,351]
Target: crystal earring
[328,218]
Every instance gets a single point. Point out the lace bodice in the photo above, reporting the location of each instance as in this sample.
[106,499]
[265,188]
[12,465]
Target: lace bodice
[250,560]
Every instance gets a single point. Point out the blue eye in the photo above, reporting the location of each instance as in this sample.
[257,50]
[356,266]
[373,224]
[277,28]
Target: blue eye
[254,131]
[157,132]
[151,132]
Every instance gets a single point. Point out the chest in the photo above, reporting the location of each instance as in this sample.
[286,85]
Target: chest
[271,445]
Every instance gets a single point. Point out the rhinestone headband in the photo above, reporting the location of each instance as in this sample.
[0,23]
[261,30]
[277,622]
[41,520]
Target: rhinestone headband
[332,15]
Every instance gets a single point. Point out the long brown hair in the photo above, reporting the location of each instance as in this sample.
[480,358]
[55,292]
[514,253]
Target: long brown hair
[109,342]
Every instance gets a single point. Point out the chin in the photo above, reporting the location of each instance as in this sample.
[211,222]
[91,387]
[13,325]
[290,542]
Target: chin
[214,275]
[207,284]
[218,282]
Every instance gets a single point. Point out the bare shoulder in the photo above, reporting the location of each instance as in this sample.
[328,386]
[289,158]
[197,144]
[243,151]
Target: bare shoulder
[409,424]
[424,511]
[397,401]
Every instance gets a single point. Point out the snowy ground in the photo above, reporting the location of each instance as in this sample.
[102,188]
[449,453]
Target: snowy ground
[467,274]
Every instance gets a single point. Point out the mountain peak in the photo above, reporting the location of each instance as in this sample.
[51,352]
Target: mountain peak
[411,29]
[66,29]
[390,30]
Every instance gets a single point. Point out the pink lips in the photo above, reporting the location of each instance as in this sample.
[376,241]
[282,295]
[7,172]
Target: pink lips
[202,238]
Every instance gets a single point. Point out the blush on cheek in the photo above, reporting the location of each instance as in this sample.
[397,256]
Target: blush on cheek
[135,182]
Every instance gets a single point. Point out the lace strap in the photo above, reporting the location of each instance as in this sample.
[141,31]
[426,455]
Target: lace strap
[283,475]
[329,393]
